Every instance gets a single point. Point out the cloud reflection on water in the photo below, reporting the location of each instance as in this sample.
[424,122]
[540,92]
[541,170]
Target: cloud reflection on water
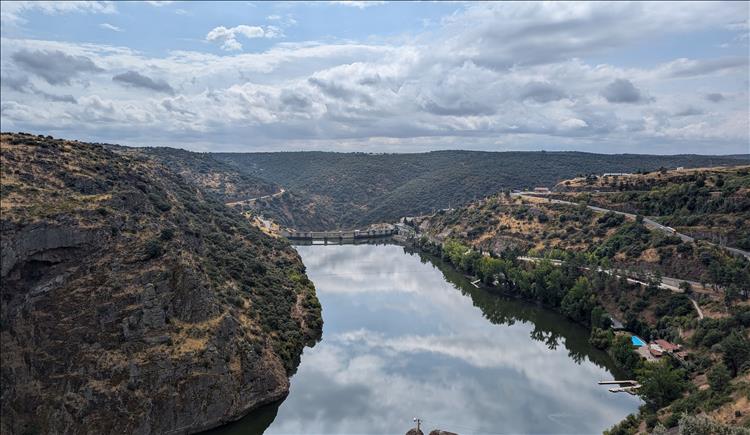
[404,338]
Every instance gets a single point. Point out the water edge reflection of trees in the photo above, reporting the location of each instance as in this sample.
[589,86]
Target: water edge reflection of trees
[548,327]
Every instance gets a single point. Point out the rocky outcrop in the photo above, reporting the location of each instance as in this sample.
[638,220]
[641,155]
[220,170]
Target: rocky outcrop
[133,303]
[40,241]
[118,361]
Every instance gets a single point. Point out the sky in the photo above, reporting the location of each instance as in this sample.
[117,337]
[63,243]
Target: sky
[654,78]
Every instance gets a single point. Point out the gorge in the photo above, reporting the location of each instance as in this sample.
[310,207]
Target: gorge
[154,290]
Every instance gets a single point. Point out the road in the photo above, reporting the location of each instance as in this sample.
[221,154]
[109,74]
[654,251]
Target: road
[649,223]
[249,200]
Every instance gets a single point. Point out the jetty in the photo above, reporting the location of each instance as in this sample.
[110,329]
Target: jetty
[627,386]
[629,390]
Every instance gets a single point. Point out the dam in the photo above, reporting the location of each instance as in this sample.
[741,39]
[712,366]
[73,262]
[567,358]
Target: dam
[343,235]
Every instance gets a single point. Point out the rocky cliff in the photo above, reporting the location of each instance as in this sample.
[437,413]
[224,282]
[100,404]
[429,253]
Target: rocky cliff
[133,302]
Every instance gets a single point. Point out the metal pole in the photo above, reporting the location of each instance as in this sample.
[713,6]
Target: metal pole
[419,422]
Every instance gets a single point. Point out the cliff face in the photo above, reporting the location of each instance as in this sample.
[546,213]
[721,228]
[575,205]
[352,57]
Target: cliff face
[132,302]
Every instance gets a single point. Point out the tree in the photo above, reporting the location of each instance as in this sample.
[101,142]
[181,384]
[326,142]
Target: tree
[660,383]
[736,351]
[654,282]
[686,287]
[167,234]
[153,249]
[469,260]
[731,294]
[600,318]
[719,377]
[579,301]
[489,268]
[622,352]
[454,251]
[554,288]
[600,338]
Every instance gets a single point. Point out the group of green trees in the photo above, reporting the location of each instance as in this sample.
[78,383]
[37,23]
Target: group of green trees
[567,288]
[694,200]
[691,195]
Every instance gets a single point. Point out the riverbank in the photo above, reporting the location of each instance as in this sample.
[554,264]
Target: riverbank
[581,294]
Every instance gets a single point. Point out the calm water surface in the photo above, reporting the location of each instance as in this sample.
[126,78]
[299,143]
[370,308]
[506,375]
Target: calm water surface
[406,336]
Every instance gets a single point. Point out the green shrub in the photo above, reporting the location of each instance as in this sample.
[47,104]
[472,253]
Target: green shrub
[153,249]
[660,383]
[719,377]
[167,234]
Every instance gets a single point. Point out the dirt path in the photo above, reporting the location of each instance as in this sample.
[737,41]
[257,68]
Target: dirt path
[697,308]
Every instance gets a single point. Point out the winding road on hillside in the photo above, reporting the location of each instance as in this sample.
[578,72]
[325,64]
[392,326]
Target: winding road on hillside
[649,223]
[250,200]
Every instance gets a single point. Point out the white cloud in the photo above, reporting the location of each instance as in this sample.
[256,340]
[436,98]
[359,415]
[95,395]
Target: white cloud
[358,4]
[110,27]
[574,123]
[469,82]
[11,11]
[228,36]
[697,67]
[285,21]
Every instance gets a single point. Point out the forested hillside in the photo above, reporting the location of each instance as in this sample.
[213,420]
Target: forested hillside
[210,174]
[356,189]
[706,203]
[523,225]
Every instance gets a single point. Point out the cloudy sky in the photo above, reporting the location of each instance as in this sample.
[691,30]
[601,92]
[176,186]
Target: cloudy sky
[660,78]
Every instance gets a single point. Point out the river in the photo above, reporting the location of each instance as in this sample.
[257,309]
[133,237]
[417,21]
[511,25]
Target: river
[406,336]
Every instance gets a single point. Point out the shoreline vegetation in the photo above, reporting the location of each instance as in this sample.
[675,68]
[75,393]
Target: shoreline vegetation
[718,350]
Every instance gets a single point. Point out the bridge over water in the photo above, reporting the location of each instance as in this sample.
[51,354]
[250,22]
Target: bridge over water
[339,235]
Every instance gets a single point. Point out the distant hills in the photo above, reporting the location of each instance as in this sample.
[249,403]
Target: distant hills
[328,190]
